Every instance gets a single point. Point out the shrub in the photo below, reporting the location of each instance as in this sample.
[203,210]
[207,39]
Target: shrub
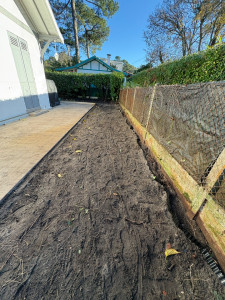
[72,85]
[204,66]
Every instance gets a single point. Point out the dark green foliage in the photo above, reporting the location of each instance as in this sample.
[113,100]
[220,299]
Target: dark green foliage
[143,67]
[128,67]
[204,66]
[116,82]
[72,85]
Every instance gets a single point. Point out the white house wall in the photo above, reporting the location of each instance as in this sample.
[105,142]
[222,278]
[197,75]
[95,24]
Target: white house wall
[87,66]
[95,65]
[117,64]
[12,8]
[11,97]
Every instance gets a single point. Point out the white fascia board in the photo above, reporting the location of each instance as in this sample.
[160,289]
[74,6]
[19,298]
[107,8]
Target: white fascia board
[46,37]
[50,21]
[41,15]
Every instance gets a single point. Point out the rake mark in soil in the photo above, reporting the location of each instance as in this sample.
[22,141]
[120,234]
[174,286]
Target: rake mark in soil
[101,229]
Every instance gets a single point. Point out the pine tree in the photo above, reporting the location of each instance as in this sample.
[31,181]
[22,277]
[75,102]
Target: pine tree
[84,22]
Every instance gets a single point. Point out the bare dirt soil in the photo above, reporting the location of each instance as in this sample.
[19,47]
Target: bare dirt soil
[94,224]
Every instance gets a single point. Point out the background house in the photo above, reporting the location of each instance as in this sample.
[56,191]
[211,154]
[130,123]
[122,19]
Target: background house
[25,26]
[113,63]
[91,65]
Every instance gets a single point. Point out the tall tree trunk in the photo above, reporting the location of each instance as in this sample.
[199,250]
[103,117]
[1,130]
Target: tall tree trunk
[183,40]
[161,57]
[214,38]
[87,42]
[73,5]
[200,35]
[68,50]
[184,46]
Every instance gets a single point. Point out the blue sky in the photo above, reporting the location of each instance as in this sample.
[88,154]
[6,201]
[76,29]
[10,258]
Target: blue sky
[127,29]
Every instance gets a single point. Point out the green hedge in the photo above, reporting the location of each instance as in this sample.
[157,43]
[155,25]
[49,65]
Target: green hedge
[204,66]
[73,85]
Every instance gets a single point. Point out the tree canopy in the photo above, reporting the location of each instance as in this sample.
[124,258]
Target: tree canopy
[83,23]
[127,67]
[182,27]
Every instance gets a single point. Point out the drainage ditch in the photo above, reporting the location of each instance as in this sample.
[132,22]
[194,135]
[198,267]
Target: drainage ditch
[178,213]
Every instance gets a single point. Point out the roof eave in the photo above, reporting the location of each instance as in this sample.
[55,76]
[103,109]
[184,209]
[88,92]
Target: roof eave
[41,16]
[77,66]
[53,20]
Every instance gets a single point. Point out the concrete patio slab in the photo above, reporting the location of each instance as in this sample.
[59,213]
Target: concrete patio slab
[25,142]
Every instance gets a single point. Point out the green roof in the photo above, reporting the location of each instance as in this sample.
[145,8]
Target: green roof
[84,62]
